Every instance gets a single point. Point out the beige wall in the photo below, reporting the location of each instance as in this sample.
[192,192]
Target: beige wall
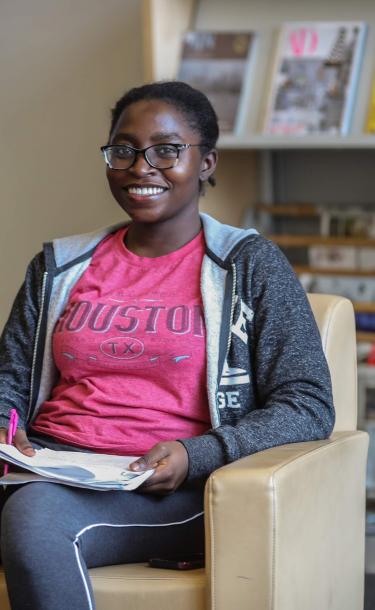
[63,63]
[236,187]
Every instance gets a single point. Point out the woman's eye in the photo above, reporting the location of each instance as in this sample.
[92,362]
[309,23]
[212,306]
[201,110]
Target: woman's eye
[166,151]
[122,152]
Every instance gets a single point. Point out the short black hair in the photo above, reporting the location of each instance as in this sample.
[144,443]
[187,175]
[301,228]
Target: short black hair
[191,102]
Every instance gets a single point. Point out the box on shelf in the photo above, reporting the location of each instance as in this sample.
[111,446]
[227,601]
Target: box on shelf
[366,259]
[333,257]
[358,289]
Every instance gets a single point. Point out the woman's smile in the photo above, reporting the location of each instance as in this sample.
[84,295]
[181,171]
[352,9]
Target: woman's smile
[144,192]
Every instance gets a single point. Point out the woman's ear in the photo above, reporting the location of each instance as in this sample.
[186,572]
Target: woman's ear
[208,164]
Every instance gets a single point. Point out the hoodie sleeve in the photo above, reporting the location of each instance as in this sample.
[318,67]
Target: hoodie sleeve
[291,380]
[17,345]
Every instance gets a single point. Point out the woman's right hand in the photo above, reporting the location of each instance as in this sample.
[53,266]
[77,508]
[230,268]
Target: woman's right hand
[20,441]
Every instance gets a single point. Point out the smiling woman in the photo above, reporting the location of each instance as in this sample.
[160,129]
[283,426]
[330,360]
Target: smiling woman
[171,337]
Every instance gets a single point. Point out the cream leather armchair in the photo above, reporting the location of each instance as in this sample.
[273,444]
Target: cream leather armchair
[284,527]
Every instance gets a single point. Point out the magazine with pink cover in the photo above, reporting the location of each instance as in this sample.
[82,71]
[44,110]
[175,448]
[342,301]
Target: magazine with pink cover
[315,78]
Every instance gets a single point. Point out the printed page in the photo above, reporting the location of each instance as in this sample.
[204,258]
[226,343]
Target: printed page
[84,469]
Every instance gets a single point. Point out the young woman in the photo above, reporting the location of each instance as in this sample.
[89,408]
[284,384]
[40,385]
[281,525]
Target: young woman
[172,337]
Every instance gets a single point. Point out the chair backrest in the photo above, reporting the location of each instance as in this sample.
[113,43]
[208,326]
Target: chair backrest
[335,318]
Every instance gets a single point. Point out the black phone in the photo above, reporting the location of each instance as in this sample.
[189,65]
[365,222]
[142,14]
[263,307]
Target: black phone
[190,562]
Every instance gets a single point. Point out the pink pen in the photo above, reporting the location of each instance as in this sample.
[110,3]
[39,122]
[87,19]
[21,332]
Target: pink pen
[12,429]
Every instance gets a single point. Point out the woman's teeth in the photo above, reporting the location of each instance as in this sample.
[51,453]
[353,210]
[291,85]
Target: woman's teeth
[149,190]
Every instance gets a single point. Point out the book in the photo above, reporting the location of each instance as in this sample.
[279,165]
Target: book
[219,65]
[366,259]
[317,67]
[370,121]
[365,321]
[78,469]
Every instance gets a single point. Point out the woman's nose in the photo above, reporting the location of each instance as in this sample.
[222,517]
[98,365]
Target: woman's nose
[141,165]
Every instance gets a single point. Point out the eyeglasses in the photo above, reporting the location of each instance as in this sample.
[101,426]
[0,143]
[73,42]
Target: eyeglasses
[160,156]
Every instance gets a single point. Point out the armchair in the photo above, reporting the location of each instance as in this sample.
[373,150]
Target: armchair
[285,527]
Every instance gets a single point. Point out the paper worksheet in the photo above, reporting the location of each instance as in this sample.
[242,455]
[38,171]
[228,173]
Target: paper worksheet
[89,470]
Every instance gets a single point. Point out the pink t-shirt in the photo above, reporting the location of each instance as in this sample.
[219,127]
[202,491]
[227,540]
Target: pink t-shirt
[130,349]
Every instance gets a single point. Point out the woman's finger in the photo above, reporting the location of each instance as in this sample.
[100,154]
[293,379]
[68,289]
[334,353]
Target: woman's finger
[151,458]
[22,443]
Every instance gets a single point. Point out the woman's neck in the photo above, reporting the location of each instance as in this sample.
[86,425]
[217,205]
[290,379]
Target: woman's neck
[152,240]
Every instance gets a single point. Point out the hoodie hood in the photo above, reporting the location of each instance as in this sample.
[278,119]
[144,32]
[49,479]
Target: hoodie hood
[220,239]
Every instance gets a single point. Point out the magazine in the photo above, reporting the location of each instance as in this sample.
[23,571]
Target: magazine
[79,469]
[315,78]
[370,121]
[218,63]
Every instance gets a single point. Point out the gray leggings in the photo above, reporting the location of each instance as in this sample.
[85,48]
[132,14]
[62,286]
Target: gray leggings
[51,534]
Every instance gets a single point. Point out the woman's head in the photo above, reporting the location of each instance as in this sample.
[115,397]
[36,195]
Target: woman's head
[161,151]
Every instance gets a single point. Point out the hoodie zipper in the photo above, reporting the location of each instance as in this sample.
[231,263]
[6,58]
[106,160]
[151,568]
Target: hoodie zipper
[230,322]
[37,334]
[233,303]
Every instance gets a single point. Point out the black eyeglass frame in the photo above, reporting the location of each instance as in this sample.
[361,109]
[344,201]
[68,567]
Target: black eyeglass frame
[138,151]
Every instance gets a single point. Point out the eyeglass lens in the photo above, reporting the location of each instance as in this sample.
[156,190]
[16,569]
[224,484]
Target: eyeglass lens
[160,156]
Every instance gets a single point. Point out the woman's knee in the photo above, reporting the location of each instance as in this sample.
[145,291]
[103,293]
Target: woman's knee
[32,519]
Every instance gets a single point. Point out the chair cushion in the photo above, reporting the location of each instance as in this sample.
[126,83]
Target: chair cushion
[139,587]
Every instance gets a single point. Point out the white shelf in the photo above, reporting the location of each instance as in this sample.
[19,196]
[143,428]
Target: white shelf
[265,142]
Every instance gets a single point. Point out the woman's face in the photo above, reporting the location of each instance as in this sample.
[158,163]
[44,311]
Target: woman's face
[143,124]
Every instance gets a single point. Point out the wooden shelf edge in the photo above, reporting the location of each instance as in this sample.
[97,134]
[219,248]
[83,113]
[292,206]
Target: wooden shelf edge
[365,337]
[229,141]
[365,307]
[290,209]
[332,271]
[295,241]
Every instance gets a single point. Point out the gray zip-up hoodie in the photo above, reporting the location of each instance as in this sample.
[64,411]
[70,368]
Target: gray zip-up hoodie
[267,378]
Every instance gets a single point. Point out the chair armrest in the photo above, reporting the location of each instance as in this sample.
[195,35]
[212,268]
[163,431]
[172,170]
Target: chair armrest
[285,527]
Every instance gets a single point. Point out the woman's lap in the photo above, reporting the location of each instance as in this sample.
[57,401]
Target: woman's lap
[46,525]
[83,513]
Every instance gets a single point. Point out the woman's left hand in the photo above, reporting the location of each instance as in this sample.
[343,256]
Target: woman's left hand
[171,463]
